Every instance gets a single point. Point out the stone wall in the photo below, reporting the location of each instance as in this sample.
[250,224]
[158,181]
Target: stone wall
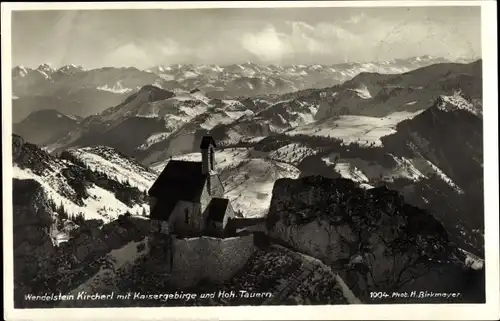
[209,258]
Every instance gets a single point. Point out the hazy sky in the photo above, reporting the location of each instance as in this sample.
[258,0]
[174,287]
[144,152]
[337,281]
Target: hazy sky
[143,38]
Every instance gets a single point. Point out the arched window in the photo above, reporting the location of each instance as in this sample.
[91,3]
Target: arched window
[212,158]
[186,216]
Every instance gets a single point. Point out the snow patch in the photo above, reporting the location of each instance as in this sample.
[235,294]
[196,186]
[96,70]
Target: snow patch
[472,261]
[153,139]
[363,92]
[347,170]
[190,75]
[117,88]
[361,130]
[445,178]
[405,168]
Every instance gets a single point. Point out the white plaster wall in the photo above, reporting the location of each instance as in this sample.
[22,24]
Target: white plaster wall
[229,214]
[204,201]
[177,218]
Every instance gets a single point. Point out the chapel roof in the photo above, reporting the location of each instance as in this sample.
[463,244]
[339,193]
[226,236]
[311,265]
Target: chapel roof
[182,178]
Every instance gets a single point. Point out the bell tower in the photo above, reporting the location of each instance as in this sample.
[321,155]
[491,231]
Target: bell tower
[207,147]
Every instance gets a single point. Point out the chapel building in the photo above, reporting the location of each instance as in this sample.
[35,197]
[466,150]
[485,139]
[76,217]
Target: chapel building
[187,199]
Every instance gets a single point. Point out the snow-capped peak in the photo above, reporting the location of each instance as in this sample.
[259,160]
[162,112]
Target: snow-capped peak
[45,69]
[71,68]
[20,71]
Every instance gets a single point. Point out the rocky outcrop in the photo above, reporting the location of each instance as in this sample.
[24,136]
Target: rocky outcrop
[26,155]
[376,240]
[33,240]
[33,225]
[42,267]
[17,145]
[93,239]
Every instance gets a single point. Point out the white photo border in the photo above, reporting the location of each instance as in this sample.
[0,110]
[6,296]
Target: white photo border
[489,310]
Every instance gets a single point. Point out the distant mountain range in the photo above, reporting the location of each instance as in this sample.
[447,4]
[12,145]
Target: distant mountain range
[363,109]
[74,90]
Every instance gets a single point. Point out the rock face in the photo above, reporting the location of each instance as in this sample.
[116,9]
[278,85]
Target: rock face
[448,135]
[32,220]
[17,145]
[372,237]
[33,231]
[41,267]
[94,239]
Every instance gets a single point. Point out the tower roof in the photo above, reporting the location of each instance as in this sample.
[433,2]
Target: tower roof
[206,141]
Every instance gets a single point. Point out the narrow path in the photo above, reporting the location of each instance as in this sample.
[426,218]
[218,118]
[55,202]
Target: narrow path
[283,290]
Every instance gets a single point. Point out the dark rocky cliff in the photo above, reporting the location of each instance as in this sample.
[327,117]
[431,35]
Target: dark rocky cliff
[33,226]
[372,237]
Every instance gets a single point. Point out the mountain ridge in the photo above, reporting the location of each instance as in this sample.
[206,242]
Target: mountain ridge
[75,84]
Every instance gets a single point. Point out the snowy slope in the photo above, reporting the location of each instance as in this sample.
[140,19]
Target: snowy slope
[99,203]
[361,130]
[249,185]
[120,168]
[364,171]
[89,182]
[274,118]
[229,157]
